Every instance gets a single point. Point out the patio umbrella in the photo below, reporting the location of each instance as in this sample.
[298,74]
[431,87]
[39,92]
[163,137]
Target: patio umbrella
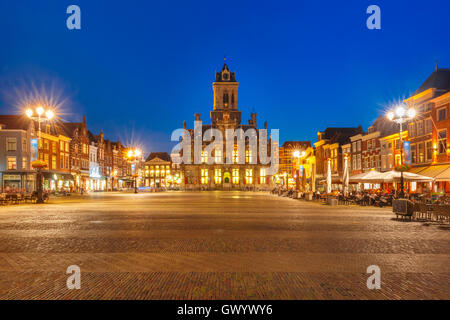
[329,177]
[395,176]
[345,178]
[369,176]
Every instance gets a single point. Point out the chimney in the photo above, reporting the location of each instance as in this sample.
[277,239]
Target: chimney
[184,124]
[265,124]
[198,117]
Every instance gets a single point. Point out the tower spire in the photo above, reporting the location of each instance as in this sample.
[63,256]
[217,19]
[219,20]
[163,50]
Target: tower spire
[437,65]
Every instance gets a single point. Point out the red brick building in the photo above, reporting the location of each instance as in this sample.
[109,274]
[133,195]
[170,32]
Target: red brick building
[429,132]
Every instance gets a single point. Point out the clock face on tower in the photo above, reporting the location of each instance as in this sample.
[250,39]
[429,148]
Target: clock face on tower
[225,76]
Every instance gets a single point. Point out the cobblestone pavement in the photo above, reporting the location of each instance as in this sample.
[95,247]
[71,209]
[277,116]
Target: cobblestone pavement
[216,245]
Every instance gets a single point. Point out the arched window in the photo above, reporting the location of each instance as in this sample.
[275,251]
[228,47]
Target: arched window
[225,98]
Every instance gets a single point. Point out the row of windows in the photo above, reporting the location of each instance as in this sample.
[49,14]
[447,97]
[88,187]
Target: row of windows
[157,173]
[420,128]
[11,163]
[11,144]
[235,176]
[219,159]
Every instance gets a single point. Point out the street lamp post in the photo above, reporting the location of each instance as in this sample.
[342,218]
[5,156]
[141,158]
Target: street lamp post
[401,115]
[299,155]
[133,155]
[42,115]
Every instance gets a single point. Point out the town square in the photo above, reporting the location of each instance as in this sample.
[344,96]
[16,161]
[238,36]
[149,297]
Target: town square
[224,245]
[219,159]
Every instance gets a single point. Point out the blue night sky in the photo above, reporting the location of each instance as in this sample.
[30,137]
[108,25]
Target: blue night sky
[137,69]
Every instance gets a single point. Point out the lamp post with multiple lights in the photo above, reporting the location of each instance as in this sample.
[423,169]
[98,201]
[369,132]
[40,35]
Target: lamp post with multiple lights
[40,115]
[401,115]
[299,155]
[133,155]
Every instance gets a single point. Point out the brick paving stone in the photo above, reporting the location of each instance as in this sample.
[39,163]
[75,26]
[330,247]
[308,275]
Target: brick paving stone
[216,245]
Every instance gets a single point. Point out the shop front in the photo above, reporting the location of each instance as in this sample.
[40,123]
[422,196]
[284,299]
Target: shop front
[441,175]
[18,181]
[56,181]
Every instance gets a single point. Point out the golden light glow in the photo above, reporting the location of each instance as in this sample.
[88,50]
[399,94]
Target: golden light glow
[29,113]
[390,115]
[411,113]
[40,110]
[400,111]
[49,114]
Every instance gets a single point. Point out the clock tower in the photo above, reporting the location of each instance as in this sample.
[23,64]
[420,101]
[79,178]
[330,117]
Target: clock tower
[225,98]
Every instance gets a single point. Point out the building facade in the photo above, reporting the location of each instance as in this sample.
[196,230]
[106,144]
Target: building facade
[158,170]
[329,149]
[429,131]
[16,134]
[242,171]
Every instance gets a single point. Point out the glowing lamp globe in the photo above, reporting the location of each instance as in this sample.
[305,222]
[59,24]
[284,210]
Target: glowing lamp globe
[411,113]
[400,111]
[40,111]
[49,114]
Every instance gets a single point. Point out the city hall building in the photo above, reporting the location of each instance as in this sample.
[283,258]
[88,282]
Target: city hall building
[243,172]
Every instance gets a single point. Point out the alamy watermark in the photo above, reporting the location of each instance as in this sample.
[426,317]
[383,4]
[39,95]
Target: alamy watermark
[74,280]
[239,145]
[374,281]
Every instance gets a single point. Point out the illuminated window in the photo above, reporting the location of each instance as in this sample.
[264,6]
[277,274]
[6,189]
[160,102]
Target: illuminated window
[53,162]
[235,176]
[262,175]
[12,163]
[235,156]
[204,176]
[421,152]
[442,141]
[24,163]
[248,176]
[248,156]
[204,156]
[218,156]
[218,175]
